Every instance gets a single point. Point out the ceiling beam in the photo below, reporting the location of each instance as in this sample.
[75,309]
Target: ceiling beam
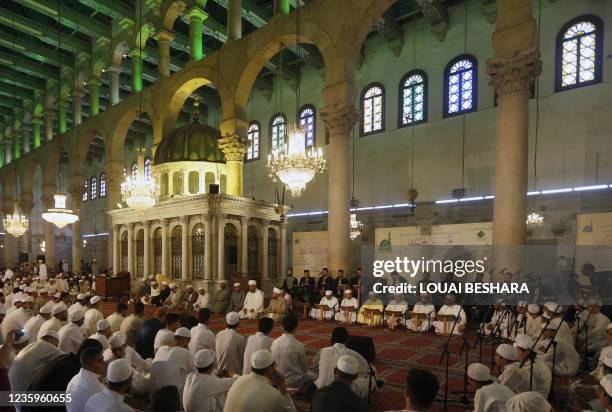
[32,50]
[27,66]
[115,9]
[17,92]
[436,12]
[21,79]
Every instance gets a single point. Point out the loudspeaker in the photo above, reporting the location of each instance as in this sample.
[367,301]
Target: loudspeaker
[213,189]
[364,345]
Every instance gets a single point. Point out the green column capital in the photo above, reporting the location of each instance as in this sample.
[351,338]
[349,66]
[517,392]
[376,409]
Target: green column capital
[196,13]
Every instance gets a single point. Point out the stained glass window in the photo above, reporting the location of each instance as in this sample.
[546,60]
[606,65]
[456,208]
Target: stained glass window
[579,53]
[278,127]
[85,193]
[372,113]
[253,141]
[93,183]
[460,92]
[134,170]
[307,120]
[413,98]
[102,185]
[147,167]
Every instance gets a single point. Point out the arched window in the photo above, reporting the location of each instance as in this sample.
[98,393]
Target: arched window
[134,170]
[413,98]
[253,141]
[93,183]
[85,193]
[278,129]
[307,120]
[373,109]
[460,79]
[579,53]
[102,185]
[147,167]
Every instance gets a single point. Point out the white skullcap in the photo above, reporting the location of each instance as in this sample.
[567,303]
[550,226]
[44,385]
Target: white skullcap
[81,296]
[348,364]
[172,285]
[47,307]
[533,308]
[59,308]
[261,359]
[204,358]
[236,284]
[102,324]
[117,339]
[119,370]
[553,307]
[607,359]
[523,341]
[182,333]
[153,282]
[606,383]
[348,291]
[151,277]
[57,295]
[553,324]
[528,402]
[22,339]
[328,293]
[189,286]
[80,280]
[76,316]
[27,299]
[50,333]
[164,282]
[479,372]
[522,304]
[2,310]
[277,291]
[506,351]
[252,283]
[17,299]
[94,300]
[43,290]
[232,318]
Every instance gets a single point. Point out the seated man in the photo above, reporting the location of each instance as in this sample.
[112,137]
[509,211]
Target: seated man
[174,300]
[347,315]
[542,376]
[500,322]
[489,395]
[428,310]
[398,304]
[330,301]
[372,303]
[338,396]
[220,301]
[567,359]
[534,321]
[277,308]
[253,302]
[594,332]
[236,302]
[451,311]
[202,299]
[511,373]
[189,298]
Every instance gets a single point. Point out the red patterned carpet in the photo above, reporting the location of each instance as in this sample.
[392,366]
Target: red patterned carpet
[396,352]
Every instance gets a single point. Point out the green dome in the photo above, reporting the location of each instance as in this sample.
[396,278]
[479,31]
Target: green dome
[192,142]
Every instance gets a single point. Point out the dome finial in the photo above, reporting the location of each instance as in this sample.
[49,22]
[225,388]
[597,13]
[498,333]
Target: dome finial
[196,109]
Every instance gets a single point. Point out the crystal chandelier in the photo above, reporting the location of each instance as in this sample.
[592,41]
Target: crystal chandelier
[43,246]
[355,226]
[139,191]
[534,219]
[59,215]
[16,224]
[293,164]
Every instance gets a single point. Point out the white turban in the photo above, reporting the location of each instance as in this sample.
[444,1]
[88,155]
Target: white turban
[182,333]
[528,402]
[261,359]
[204,358]
[533,308]
[47,307]
[252,283]
[117,339]
[232,318]
[507,351]
[59,308]
[479,372]
[348,364]
[606,383]
[119,370]
[277,291]
[523,341]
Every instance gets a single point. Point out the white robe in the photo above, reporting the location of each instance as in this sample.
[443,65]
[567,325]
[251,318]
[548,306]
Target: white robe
[534,326]
[115,320]
[201,338]
[201,301]
[70,338]
[252,301]
[492,398]
[567,359]
[229,346]
[107,401]
[290,357]
[396,307]
[597,330]
[16,319]
[81,387]
[325,361]
[29,362]
[205,393]
[329,314]
[32,326]
[163,337]
[352,316]
[254,343]
[542,376]
[515,377]
[500,322]
[255,393]
[92,316]
[42,271]
[425,323]
[171,367]
[50,324]
[455,310]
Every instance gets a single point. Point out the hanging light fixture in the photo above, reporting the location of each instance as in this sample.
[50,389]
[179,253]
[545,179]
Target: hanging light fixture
[139,191]
[293,164]
[16,224]
[534,219]
[355,226]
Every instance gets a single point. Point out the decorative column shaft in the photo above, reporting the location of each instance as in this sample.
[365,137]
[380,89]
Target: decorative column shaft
[147,249]
[49,125]
[76,191]
[115,243]
[62,116]
[11,244]
[114,71]
[196,18]
[281,7]
[36,124]
[185,247]
[283,249]
[221,247]
[233,143]
[94,96]
[137,57]
[130,250]
[244,244]
[207,247]
[17,135]
[27,132]
[25,207]
[77,96]
[234,20]
[49,228]
[265,226]
[164,38]
[339,121]
[164,245]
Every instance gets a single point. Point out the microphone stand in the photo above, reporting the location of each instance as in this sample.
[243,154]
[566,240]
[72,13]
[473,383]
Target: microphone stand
[586,338]
[446,353]
[479,340]
[496,329]
[553,343]
[465,347]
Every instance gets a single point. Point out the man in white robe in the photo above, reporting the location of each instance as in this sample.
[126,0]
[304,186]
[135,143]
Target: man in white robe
[553,310]
[450,308]
[42,270]
[511,374]
[71,335]
[595,330]
[201,336]
[331,302]
[204,391]
[32,326]
[202,300]
[132,324]
[15,319]
[87,382]
[31,360]
[290,354]
[119,349]
[542,376]
[489,396]
[103,333]
[165,336]
[398,304]
[115,318]
[425,307]
[260,340]
[567,359]
[534,321]
[253,302]
[111,399]
[528,402]
[92,316]
[230,345]
[79,304]
[59,315]
[348,315]
[500,322]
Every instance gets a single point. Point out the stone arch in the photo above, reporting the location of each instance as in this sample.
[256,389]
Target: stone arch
[120,49]
[172,10]
[142,35]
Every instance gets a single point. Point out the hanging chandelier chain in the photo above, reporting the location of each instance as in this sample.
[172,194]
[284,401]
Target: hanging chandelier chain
[465,38]
[537,115]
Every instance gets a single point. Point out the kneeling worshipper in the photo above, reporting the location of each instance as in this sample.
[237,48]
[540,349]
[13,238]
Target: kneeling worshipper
[260,340]
[111,399]
[32,359]
[500,322]
[71,335]
[92,316]
[567,359]
[290,354]
[422,315]
[542,376]
[190,297]
[595,331]
[205,391]
[32,326]
[57,320]
[236,302]
[277,308]
[263,389]
[87,382]
[348,308]
[528,402]
[489,395]
[220,301]
[447,315]
[511,374]
[229,346]
[553,310]
[330,306]
[172,364]
[584,390]
[253,302]
[534,320]
[396,311]
[202,300]
[371,311]
[103,333]
[118,349]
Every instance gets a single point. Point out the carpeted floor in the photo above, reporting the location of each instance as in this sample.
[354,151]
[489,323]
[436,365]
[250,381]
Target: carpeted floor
[396,352]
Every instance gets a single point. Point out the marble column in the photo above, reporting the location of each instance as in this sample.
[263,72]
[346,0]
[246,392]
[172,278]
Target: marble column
[283,249]
[49,113]
[339,121]
[76,191]
[114,177]
[61,113]
[26,136]
[221,247]
[281,7]
[147,248]
[130,250]
[234,20]
[196,18]
[233,144]
[164,246]
[115,244]
[49,228]
[265,226]
[94,96]
[164,38]
[77,96]
[113,72]
[185,248]
[207,246]
[138,56]
[244,244]
[36,125]
[515,65]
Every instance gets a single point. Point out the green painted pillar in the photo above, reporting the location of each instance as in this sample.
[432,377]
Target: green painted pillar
[281,7]
[36,124]
[196,22]
[17,144]
[137,56]
[62,116]
[94,96]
